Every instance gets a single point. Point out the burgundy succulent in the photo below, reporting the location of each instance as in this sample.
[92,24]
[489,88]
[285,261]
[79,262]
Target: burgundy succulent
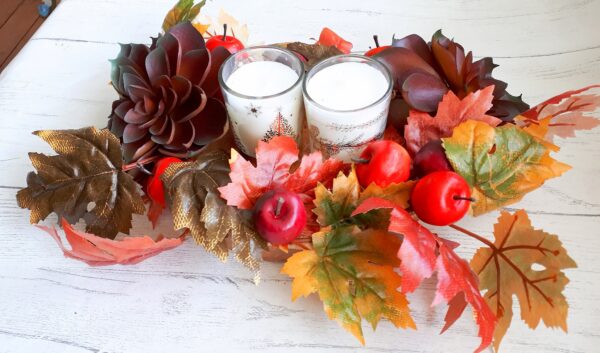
[425,72]
[167,95]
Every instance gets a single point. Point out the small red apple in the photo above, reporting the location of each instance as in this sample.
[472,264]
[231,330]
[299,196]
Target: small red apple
[377,48]
[231,43]
[383,162]
[279,216]
[441,198]
[154,188]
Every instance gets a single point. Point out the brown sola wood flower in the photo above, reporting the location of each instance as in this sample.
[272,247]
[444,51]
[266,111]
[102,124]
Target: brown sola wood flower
[424,72]
[168,93]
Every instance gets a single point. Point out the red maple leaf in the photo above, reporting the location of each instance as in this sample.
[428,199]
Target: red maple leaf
[97,251]
[422,253]
[274,161]
[567,111]
[452,111]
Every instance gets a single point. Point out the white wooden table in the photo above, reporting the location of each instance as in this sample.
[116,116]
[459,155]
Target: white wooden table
[185,300]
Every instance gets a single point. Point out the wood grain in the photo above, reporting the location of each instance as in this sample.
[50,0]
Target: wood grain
[185,300]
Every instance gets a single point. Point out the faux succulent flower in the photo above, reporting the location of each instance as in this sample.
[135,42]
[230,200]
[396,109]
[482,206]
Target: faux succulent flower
[425,72]
[167,91]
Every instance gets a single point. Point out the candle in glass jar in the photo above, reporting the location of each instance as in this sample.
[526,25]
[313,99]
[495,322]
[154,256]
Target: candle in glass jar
[346,99]
[347,86]
[262,87]
[262,78]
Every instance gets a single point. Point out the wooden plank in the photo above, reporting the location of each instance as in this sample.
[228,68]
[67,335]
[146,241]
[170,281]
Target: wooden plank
[16,27]
[7,9]
[34,26]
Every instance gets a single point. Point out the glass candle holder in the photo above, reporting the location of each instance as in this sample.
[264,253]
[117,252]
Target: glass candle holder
[346,98]
[263,95]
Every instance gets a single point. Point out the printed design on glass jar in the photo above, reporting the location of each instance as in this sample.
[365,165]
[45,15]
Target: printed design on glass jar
[347,128]
[279,127]
[254,111]
[236,138]
[332,148]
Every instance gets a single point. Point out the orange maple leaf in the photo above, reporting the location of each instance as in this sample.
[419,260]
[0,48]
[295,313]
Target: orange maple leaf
[97,251]
[452,111]
[274,161]
[506,268]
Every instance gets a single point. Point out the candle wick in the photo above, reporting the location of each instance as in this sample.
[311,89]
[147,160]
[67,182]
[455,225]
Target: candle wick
[224,31]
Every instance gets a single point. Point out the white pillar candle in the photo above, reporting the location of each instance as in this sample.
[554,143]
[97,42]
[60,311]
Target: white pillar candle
[262,78]
[263,95]
[347,86]
[347,100]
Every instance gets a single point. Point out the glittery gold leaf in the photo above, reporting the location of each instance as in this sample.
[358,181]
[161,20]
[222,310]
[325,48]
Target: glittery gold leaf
[191,188]
[84,180]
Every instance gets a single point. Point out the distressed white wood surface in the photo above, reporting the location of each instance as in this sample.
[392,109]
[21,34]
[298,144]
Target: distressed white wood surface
[185,300]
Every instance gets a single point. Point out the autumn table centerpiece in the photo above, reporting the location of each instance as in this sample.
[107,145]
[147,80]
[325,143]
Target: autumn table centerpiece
[453,143]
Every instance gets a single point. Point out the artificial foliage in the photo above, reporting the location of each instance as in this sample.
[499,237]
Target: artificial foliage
[363,249]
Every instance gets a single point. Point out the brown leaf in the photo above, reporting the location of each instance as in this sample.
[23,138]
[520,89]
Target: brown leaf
[195,204]
[84,180]
[506,269]
[313,53]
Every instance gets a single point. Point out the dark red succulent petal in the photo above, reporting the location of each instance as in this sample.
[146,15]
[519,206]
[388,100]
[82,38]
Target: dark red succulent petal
[189,109]
[423,92]
[402,63]
[188,37]
[417,45]
[157,65]
[195,65]
[210,123]
[210,84]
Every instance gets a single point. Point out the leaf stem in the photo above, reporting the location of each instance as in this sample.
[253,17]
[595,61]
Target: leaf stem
[475,236]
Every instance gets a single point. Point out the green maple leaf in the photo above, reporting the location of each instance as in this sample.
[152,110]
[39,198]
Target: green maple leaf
[500,164]
[353,273]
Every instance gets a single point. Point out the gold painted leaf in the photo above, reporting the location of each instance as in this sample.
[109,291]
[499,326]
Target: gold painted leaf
[353,273]
[500,164]
[191,188]
[84,180]
[526,263]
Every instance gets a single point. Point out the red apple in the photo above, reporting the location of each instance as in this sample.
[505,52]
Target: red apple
[377,48]
[441,198]
[154,188]
[383,162]
[279,216]
[231,43]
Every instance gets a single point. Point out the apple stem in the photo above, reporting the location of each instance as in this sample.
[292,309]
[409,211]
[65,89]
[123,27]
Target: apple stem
[376,40]
[360,160]
[456,197]
[280,202]
[224,31]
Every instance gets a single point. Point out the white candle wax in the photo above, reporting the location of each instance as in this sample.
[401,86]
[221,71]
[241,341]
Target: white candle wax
[347,86]
[262,78]
[266,101]
[346,103]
